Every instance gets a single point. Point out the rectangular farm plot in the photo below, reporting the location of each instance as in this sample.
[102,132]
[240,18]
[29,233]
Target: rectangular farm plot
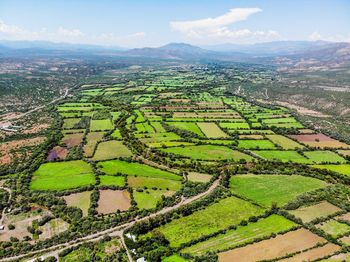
[284,142]
[101,125]
[309,213]
[188,126]
[255,144]
[168,144]
[158,127]
[334,228]
[234,125]
[268,189]
[111,201]
[80,200]
[284,156]
[69,123]
[110,150]
[208,152]
[315,253]
[148,199]
[150,182]
[211,130]
[279,246]
[91,141]
[241,235]
[198,177]
[106,180]
[62,175]
[135,169]
[345,153]
[319,157]
[341,169]
[72,140]
[319,140]
[228,211]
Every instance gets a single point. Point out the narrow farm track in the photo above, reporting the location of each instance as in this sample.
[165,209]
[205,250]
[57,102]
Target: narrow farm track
[115,231]
[3,211]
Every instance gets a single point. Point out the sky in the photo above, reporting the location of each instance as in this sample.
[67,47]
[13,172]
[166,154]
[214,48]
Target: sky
[139,23]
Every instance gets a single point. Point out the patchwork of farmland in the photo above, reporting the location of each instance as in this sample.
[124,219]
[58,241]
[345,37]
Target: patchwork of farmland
[208,176]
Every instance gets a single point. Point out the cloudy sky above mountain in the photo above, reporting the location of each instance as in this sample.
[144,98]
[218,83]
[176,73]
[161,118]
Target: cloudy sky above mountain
[135,23]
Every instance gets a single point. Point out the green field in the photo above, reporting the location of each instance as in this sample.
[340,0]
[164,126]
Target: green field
[116,134]
[228,211]
[255,144]
[268,189]
[211,130]
[101,125]
[188,126]
[284,156]
[208,152]
[112,180]
[150,182]
[62,175]
[174,258]
[158,127]
[236,125]
[69,123]
[135,169]
[242,235]
[342,169]
[334,228]
[111,149]
[319,157]
[284,142]
[168,144]
[148,198]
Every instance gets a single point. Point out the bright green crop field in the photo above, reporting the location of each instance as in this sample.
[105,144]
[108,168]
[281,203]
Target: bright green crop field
[268,189]
[62,175]
[228,211]
[208,152]
[135,169]
[243,234]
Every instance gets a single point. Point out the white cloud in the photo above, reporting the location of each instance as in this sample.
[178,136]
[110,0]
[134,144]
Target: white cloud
[316,36]
[217,29]
[197,26]
[9,29]
[69,32]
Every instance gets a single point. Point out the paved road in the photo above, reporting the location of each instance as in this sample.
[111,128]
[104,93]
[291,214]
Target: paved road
[115,231]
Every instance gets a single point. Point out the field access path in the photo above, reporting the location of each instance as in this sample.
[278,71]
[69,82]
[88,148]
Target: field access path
[114,231]
[3,211]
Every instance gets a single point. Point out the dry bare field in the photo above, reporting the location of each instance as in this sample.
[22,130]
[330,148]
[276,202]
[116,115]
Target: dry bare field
[273,248]
[112,200]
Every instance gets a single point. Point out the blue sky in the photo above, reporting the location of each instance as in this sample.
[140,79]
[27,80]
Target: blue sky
[135,23]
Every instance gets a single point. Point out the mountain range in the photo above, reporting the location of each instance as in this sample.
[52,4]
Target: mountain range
[270,51]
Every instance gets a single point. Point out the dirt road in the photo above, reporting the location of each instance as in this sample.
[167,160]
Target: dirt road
[115,231]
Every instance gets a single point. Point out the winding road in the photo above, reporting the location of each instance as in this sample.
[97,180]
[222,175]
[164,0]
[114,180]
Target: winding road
[115,231]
